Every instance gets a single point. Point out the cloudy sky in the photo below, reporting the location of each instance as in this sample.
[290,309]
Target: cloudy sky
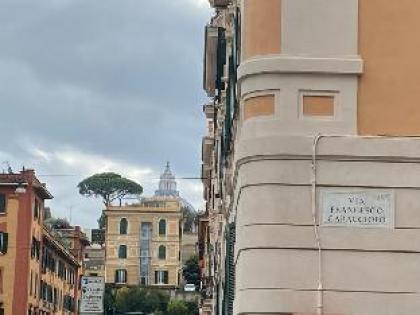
[89,86]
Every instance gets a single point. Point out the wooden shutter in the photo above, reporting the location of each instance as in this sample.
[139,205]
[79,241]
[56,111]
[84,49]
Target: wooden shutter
[2,203]
[229,288]
[165,277]
[4,241]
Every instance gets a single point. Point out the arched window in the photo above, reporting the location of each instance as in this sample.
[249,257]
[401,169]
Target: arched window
[162,252]
[123,226]
[122,251]
[120,276]
[162,227]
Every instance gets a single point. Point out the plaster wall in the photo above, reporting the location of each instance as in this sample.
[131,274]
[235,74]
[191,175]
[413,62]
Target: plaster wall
[277,258]
[7,262]
[133,241]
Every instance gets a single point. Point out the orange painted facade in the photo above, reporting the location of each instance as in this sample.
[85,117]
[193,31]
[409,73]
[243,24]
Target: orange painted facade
[262,32]
[259,106]
[38,274]
[390,48]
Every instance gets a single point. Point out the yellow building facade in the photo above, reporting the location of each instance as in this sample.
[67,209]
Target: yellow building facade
[143,243]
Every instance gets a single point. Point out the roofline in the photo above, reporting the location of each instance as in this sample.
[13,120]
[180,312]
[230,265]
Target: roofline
[61,247]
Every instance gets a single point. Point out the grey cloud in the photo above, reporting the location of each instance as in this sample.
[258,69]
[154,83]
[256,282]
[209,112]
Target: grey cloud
[120,79]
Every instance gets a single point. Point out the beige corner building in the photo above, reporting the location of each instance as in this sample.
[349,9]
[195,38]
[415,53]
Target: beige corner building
[143,240]
[311,166]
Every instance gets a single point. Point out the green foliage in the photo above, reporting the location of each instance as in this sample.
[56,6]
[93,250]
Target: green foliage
[109,298]
[109,186]
[140,299]
[145,300]
[191,270]
[57,223]
[177,307]
[192,308]
[102,221]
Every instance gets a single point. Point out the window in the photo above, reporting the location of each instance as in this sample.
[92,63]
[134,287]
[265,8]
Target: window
[36,285]
[35,248]
[146,231]
[68,303]
[55,299]
[2,203]
[36,209]
[122,251]
[30,287]
[162,227]
[162,252]
[123,226]
[161,277]
[120,276]
[1,280]
[4,238]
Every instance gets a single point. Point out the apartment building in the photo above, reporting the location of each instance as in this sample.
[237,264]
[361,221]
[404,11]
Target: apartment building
[38,275]
[143,240]
[58,290]
[311,161]
[94,261]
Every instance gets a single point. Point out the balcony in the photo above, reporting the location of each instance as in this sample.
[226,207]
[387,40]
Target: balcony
[207,150]
[209,110]
[206,175]
[210,60]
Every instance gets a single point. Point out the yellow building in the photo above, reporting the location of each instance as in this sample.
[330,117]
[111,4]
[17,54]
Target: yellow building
[94,261]
[143,241]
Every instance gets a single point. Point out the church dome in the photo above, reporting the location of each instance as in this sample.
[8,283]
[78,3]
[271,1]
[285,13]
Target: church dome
[167,184]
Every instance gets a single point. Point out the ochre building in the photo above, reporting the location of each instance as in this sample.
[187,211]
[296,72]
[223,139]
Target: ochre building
[38,274]
[143,240]
[311,164]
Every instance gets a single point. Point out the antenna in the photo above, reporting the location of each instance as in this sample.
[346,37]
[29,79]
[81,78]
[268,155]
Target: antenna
[9,168]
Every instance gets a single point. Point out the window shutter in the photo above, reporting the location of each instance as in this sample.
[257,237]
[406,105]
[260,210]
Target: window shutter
[221,60]
[122,252]
[123,226]
[156,277]
[162,227]
[229,289]
[165,277]
[162,252]
[4,242]
[2,203]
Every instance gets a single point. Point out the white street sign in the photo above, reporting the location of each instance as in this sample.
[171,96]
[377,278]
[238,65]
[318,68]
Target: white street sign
[92,300]
[362,208]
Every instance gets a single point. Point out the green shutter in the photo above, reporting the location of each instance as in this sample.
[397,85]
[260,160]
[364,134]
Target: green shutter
[2,203]
[229,288]
[4,242]
[221,60]
[165,277]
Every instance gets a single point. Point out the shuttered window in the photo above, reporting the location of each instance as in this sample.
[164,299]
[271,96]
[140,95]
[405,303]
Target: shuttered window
[4,240]
[122,252]
[162,252]
[229,288]
[161,277]
[2,203]
[162,227]
[120,276]
[123,226]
